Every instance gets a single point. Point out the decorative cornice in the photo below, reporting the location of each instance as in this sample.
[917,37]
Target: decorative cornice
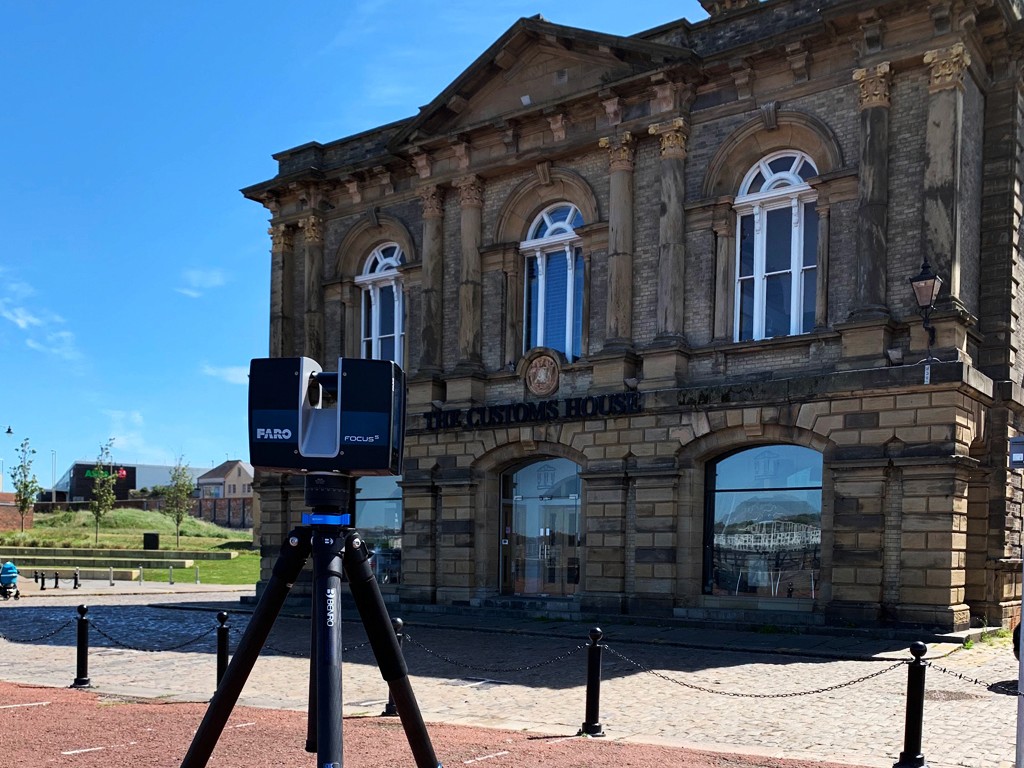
[621,151]
[471,192]
[673,136]
[432,198]
[874,85]
[947,67]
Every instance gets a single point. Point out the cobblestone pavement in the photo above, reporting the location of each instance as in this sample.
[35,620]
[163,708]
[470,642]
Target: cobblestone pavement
[738,692]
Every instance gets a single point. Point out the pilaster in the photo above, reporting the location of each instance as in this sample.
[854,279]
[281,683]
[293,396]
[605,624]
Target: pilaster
[282,277]
[313,237]
[471,199]
[431,317]
[873,192]
[621,156]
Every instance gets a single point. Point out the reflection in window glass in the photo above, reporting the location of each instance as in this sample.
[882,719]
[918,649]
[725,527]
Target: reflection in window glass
[379,521]
[763,532]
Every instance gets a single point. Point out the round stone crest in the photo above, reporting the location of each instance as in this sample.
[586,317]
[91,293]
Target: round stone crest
[542,375]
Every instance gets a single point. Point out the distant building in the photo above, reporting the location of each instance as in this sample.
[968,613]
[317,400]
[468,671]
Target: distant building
[229,480]
[77,483]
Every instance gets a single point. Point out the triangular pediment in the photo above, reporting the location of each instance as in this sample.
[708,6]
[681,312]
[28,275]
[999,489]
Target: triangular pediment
[535,63]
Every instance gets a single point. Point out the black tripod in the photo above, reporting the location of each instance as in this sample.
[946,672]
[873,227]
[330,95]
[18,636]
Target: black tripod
[334,546]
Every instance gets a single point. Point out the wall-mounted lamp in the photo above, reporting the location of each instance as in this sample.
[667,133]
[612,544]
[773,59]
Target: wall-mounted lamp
[926,289]
[631,384]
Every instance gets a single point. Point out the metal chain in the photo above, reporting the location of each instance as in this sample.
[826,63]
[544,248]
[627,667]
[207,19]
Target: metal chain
[640,666]
[298,654]
[115,641]
[59,629]
[998,686]
[449,660]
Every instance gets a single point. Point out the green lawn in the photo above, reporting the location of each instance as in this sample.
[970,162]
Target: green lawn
[123,529]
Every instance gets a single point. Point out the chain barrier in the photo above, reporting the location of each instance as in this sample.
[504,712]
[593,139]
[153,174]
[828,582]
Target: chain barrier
[179,646]
[46,636]
[792,694]
[448,660]
[300,654]
[960,675]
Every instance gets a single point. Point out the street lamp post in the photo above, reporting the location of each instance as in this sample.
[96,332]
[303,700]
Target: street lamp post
[53,477]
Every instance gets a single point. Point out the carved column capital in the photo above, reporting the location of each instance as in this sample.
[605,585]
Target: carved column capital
[471,192]
[673,136]
[621,151]
[280,236]
[432,198]
[947,67]
[874,85]
[313,230]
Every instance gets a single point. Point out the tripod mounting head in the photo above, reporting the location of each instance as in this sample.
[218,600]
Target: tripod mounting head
[329,495]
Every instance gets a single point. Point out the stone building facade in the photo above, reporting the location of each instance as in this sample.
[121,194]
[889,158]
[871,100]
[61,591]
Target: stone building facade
[652,297]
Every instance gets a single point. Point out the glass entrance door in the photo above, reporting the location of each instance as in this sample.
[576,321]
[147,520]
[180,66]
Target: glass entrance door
[540,529]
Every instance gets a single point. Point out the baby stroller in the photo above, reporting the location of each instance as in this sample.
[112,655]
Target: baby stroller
[9,581]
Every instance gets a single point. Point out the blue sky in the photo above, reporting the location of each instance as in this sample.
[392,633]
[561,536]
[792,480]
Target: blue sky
[134,278]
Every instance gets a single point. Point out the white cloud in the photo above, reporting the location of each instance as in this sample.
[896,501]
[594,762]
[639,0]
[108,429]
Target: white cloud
[41,328]
[232,374]
[58,343]
[20,316]
[130,443]
[198,281]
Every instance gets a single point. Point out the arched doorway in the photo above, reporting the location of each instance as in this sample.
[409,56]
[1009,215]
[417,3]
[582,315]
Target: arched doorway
[540,529]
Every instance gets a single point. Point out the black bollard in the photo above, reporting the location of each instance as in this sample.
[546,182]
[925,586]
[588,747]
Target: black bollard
[222,646]
[390,710]
[911,756]
[56,580]
[592,724]
[35,576]
[82,681]
[42,582]
[78,581]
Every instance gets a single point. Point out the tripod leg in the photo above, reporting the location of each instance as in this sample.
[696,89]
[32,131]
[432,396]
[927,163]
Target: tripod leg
[294,554]
[327,565]
[388,653]
[311,701]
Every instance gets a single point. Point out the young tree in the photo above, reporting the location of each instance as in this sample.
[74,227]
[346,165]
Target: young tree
[178,497]
[103,480]
[26,487]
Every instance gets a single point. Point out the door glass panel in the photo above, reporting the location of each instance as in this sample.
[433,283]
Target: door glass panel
[540,529]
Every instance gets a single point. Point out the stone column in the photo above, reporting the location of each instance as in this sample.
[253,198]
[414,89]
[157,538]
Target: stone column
[313,234]
[671,277]
[873,191]
[282,283]
[432,198]
[940,227]
[821,288]
[618,321]
[471,198]
[723,221]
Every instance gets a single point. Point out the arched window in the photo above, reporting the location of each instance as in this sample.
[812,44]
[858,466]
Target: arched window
[383,329]
[762,528]
[553,290]
[777,247]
